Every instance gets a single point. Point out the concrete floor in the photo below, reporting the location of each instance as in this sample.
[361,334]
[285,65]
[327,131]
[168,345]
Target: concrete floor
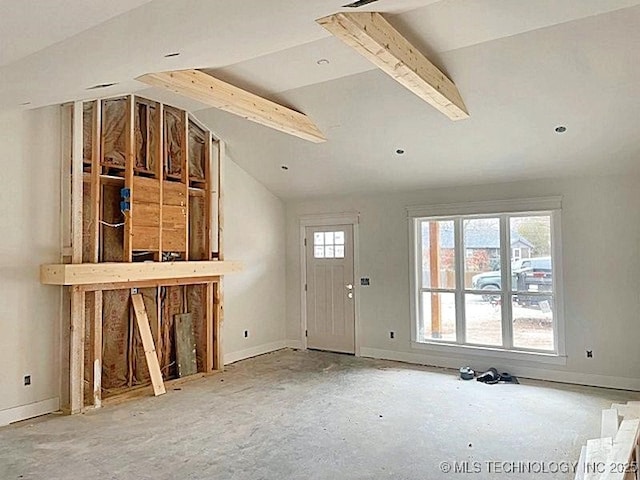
[314,415]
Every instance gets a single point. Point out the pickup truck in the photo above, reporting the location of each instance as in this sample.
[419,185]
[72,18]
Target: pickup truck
[527,275]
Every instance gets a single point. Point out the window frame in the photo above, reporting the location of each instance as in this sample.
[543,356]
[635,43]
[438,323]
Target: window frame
[504,210]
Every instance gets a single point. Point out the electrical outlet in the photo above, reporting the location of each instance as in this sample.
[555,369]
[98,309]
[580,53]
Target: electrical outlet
[392,335]
[246,334]
[589,353]
[134,291]
[27,380]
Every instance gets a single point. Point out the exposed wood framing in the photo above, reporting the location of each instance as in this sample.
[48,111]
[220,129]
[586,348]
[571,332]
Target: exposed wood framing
[89,317]
[212,91]
[371,35]
[97,349]
[76,358]
[209,328]
[218,360]
[76,183]
[95,181]
[149,345]
[222,155]
[87,274]
[128,178]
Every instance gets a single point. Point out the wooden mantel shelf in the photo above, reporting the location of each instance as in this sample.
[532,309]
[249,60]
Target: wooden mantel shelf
[109,273]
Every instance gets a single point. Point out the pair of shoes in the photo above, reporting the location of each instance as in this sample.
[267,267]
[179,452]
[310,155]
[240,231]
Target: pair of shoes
[489,377]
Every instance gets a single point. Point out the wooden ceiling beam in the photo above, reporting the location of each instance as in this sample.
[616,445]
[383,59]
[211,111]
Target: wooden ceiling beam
[224,96]
[371,35]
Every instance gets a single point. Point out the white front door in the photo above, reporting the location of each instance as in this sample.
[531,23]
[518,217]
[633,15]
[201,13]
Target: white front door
[330,288]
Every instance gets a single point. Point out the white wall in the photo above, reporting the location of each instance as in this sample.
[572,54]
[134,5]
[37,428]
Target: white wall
[254,233]
[601,262]
[30,213]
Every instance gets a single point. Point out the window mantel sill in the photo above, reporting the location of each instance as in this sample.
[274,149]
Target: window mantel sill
[469,350]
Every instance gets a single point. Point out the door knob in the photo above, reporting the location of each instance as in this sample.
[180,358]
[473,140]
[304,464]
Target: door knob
[350,294]
[349,286]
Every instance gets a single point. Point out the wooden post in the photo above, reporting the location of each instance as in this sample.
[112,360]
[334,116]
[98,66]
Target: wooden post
[130,159]
[76,359]
[218,362]
[185,179]
[97,349]
[434,267]
[209,330]
[96,169]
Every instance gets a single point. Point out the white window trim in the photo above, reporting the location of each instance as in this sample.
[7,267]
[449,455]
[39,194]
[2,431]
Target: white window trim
[552,205]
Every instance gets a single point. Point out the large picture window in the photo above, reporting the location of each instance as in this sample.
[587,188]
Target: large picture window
[487,280]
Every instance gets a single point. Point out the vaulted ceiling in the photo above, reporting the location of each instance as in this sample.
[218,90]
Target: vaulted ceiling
[522,67]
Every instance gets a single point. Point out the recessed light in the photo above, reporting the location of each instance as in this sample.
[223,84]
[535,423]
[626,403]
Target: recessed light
[284,167]
[323,61]
[174,54]
[400,151]
[102,85]
[561,129]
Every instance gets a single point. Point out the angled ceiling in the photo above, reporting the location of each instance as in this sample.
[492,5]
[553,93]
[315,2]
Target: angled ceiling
[522,68]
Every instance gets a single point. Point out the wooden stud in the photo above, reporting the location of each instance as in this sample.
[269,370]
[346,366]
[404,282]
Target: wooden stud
[212,91]
[185,180]
[96,170]
[371,35]
[76,358]
[210,343]
[128,179]
[218,360]
[148,343]
[76,182]
[207,195]
[610,423]
[581,465]
[97,349]
[221,172]
[624,445]
[596,455]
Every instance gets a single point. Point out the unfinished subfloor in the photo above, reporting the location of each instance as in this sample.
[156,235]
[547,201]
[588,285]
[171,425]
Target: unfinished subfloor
[314,415]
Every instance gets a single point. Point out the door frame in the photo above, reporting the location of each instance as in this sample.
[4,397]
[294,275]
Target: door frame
[326,220]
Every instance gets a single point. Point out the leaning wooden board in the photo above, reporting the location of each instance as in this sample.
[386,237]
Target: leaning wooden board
[147,342]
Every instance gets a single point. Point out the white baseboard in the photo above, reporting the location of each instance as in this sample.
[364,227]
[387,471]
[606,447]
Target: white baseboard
[23,412]
[516,368]
[233,357]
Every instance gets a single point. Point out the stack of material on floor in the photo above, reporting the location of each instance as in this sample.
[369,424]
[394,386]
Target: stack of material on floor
[615,454]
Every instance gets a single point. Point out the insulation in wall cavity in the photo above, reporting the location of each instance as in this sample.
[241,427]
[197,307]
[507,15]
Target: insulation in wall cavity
[197,228]
[172,304]
[196,305]
[115,339]
[174,131]
[112,237]
[140,370]
[87,225]
[154,138]
[197,153]
[142,137]
[114,132]
[87,134]
[88,347]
